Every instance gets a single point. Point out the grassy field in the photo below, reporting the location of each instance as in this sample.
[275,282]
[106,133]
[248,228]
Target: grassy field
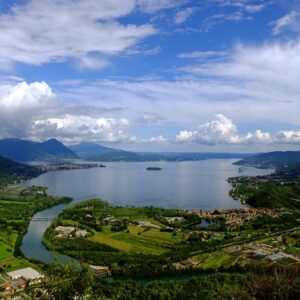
[7,243]
[214,260]
[135,239]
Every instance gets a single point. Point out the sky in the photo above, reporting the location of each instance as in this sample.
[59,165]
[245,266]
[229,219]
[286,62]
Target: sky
[152,75]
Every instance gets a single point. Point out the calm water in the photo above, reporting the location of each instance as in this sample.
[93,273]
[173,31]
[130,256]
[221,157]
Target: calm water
[186,185]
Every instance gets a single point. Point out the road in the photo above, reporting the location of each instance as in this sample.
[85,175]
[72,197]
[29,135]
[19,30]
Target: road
[246,241]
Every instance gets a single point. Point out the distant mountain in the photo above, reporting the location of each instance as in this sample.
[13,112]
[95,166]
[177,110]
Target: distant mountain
[13,171]
[86,148]
[96,152]
[278,159]
[22,150]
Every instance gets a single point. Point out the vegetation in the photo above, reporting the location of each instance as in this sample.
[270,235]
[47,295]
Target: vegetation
[17,206]
[258,192]
[257,283]
[11,171]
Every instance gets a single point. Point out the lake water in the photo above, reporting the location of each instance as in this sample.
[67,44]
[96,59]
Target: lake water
[185,185]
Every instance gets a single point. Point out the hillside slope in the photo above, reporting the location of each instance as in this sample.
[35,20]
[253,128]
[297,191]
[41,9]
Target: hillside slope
[12,171]
[276,160]
[22,150]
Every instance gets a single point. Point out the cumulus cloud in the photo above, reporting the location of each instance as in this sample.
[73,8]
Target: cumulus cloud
[26,96]
[29,35]
[222,130]
[18,105]
[288,137]
[258,137]
[32,110]
[72,128]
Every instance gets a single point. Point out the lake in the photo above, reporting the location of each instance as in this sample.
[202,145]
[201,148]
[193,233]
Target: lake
[185,185]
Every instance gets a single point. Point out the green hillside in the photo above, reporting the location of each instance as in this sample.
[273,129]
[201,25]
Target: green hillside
[290,159]
[11,171]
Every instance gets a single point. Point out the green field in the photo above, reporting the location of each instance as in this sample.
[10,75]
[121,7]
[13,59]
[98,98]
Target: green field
[135,239]
[7,243]
[214,260]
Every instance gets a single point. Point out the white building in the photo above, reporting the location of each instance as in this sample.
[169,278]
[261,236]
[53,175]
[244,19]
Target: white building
[26,274]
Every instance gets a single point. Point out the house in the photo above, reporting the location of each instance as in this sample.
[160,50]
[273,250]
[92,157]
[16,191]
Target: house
[146,224]
[81,233]
[7,287]
[101,271]
[185,263]
[64,230]
[27,274]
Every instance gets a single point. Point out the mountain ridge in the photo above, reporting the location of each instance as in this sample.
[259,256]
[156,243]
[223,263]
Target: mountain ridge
[275,159]
[24,150]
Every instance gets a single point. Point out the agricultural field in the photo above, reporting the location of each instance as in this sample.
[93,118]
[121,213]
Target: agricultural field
[137,239]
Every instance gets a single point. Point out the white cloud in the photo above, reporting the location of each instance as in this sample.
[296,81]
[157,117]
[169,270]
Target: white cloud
[27,110]
[26,96]
[92,63]
[158,140]
[254,8]
[152,6]
[222,130]
[203,54]
[288,137]
[284,22]
[52,30]
[183,15]
[257,137]
[19,104]
[220,18]
[73,128]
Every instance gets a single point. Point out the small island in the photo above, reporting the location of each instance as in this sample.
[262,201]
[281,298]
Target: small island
[154,169]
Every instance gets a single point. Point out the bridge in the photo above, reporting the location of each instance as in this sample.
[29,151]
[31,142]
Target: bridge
[37,219]
[42,219]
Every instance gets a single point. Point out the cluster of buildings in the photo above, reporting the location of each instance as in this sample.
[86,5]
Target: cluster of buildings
[19,279]
[70,232]
[235,216]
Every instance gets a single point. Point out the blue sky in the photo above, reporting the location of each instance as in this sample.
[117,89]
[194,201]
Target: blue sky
[155,75]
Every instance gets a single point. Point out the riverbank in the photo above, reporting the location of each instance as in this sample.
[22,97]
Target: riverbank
[17,206]
[155,241]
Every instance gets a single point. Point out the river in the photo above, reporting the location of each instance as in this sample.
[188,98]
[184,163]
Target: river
[184,185]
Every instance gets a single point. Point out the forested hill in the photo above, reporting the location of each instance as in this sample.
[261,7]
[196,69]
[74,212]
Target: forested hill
[23,150]
[277,160]
[12,171]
